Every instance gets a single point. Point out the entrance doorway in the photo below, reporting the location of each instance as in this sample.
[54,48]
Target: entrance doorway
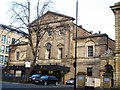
[109,70]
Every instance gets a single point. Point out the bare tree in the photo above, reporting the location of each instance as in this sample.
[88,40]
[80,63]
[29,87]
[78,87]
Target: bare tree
[21,13]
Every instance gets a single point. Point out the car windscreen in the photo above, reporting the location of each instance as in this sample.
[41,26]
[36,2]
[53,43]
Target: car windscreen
[35,75]
[44,77]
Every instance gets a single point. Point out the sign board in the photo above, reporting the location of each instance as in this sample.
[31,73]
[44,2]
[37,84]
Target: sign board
[18,73]
[80,78]
[106,79]
[27,64]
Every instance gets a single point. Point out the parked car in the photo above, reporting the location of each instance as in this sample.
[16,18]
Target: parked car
[46,80]
[9,75]
[70,81]
[34,77]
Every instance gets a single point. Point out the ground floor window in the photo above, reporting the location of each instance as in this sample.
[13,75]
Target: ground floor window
[89,71]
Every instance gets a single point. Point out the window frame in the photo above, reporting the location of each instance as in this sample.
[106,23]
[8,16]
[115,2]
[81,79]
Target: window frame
[60,53]
[89,71]
[3,39]
[49,32]
[7,50]
[48,51]
[2,48]
[1,58]
[90,51]
[61,32]
[17,55]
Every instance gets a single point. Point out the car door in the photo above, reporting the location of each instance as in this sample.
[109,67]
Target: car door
[50,80]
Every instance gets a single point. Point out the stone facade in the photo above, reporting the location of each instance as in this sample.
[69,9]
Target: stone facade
[93,63]
[116,11]
[57,48]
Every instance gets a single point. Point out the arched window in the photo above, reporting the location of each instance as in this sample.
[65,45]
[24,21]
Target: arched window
[90,48]
[108,68]
[48,51]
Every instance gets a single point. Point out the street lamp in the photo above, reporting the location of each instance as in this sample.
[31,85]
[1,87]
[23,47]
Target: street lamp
[75,63]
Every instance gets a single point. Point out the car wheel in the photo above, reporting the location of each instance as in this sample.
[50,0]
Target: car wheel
[36,82]
[45,83]
[56,83]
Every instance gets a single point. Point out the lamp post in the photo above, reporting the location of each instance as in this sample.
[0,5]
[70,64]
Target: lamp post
[75,63]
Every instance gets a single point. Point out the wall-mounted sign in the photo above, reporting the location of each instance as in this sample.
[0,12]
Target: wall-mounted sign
[106,79]
[18,74]
[27,64]
[80,78]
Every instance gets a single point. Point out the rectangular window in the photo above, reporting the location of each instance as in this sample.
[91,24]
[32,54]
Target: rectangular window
[13,40]
[0,37]
[60,53]
[49,33]
[6,58]
[48,54]
[1,58]
[90,51]
[2,49]
[7,49]
[89,71]
[62,31]
[3,38]
[17,41]
[17,55]
[8,40]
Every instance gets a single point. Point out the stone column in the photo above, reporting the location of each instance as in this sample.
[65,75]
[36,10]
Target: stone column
[116,11]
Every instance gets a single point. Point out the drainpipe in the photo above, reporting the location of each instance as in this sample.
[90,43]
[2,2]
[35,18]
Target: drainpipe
[107,42]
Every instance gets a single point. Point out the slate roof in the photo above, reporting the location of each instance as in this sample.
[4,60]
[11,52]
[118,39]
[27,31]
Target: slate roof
[12,29]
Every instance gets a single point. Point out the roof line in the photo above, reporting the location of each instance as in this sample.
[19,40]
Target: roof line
[12,29]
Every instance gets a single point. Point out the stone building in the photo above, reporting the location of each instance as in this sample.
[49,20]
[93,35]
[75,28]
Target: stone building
[116,11]
[17,57]
[95,54]
[57,49]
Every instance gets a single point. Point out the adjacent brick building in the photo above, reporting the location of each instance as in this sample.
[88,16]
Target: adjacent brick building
[9,36]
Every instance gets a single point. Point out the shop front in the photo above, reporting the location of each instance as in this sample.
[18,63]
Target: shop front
[54,70]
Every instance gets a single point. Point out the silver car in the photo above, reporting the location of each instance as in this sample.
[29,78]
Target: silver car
[70,81]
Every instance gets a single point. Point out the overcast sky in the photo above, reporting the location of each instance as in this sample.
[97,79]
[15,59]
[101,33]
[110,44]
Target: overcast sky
[93,15]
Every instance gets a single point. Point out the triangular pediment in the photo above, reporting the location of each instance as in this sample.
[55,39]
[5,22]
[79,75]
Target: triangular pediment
[52,17]
[60,45]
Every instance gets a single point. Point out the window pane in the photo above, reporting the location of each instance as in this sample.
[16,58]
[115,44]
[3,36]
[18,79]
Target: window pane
[6,58]
[90,51]
[60,53]
[8,40]
[17,55]
[4,39]
[13,40]
[62,31]
[0,37]
[49,33]
[7,49]
[2,49]
[1,58]
[89,71]
[48,46]
[17,41]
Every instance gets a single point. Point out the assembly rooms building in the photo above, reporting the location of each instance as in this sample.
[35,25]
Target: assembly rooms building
[57,50]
